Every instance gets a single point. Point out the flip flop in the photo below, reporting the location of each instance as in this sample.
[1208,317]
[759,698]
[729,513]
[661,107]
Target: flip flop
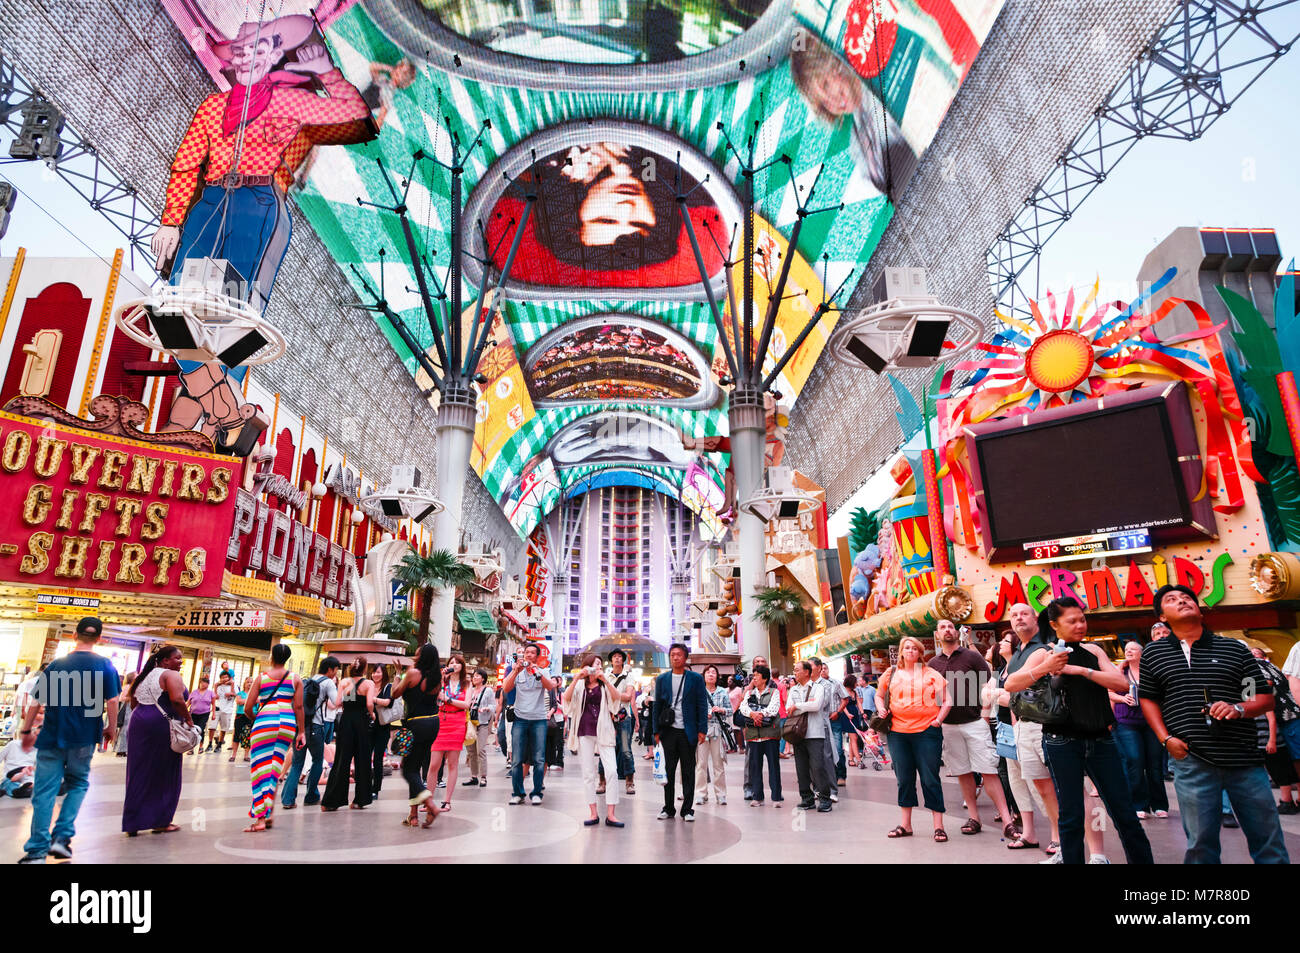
[971,826]
[940,836]
[899,831]
[1021,844]
[170,828]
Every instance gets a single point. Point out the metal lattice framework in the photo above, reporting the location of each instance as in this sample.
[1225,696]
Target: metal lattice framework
[1200,62]
[76,162]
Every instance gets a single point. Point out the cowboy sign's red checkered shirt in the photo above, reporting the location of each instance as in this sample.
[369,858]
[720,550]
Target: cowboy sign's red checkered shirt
[275,142]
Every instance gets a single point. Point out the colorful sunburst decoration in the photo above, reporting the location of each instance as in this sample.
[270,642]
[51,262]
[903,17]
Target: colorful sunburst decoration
[1066,355]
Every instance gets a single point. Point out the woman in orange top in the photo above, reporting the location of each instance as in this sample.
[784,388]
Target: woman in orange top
[917,697]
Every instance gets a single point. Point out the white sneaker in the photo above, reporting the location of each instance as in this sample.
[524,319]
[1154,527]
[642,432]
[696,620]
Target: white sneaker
[665,816]
[1054,859]
[688,816]
[835,798]
[722,800]
[1098,859]
[535,799]
[701,799]
[517,799]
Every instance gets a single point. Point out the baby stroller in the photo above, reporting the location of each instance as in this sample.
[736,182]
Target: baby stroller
[872,746]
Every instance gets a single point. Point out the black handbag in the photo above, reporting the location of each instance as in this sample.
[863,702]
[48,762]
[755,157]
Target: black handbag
[1043,702]
[666,719]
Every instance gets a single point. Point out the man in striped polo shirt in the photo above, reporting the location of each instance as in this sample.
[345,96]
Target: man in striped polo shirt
[1200,693]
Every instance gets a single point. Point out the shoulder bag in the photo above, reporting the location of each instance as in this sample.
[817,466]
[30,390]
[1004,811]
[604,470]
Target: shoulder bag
[183,737]
[1042,702]
[395,711]
[666,713]
[796,725]
[882,723]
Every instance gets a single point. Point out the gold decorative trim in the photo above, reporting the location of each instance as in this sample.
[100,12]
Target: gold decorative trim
[260,590]
[340,618]
[105,312]
[303,605]
[12,287]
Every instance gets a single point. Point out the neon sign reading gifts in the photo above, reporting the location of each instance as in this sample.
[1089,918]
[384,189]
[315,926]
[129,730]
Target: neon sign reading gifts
[1103,588]
[99,511]
[275,546]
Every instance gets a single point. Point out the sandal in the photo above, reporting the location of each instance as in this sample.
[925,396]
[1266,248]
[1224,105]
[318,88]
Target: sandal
[971,826]
[433,813]
[444,806]
[1011,832]
[940,836]
[899,831]
[168,829]
[1053,847]
[1020,843]
[255,828]
[411,820]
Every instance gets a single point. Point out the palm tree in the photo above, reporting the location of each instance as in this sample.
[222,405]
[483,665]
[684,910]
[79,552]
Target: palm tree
[400,625]
[778,606]
[424,574]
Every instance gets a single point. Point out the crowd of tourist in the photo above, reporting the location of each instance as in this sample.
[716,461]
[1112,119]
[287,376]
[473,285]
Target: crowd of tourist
[1040,723]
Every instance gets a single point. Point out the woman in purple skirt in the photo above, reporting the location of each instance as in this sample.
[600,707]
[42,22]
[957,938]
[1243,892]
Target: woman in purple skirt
[153,769]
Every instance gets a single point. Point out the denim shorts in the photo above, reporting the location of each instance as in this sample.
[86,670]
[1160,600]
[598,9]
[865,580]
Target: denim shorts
[1291,735]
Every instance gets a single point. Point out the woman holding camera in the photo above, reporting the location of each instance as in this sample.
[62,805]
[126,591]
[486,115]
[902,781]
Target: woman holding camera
[710,757]
[1082,743]
[914,697]
[760,709]
[482,706]
[453,710]
[589,703]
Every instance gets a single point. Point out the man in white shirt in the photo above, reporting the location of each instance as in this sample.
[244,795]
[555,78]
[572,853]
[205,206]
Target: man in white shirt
[833,693]
[18,766]
[1291,669]
[809,764]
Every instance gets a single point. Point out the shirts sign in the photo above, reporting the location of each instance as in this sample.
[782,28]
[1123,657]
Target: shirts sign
[222,619]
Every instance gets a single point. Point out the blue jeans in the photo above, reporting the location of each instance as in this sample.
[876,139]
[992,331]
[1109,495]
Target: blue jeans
[53,765]
[527,741]
[837,745]
[316,747]
[918,753]
[248,226]
[502,724]
[11,788]
[755,754]
[1069,759]
[327,732]
[1144,764]
[1200,787]
[623,749]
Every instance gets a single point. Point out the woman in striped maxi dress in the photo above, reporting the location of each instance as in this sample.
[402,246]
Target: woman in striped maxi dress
[275,708]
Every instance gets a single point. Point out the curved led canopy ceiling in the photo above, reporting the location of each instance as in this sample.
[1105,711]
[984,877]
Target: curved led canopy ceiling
[618,357]
[586,46]
[606,222]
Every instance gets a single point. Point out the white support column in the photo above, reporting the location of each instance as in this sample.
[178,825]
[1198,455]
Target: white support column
[748,435]
[455,438]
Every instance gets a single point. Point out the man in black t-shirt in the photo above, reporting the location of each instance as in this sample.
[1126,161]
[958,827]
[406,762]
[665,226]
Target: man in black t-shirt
[1201,693]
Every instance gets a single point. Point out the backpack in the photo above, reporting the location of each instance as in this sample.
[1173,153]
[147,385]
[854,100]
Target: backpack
[311,698]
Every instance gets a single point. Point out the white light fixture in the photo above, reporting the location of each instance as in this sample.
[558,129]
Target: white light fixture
[193,322]
[908,327]
[779,498]
[404,496]
[318,490]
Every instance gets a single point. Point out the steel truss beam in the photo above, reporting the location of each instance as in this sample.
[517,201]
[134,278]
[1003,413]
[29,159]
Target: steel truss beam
[77,163]
[1198,64]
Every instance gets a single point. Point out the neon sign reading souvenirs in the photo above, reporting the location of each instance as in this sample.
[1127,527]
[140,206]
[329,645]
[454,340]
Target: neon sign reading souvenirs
[1102,588]
[87,509]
